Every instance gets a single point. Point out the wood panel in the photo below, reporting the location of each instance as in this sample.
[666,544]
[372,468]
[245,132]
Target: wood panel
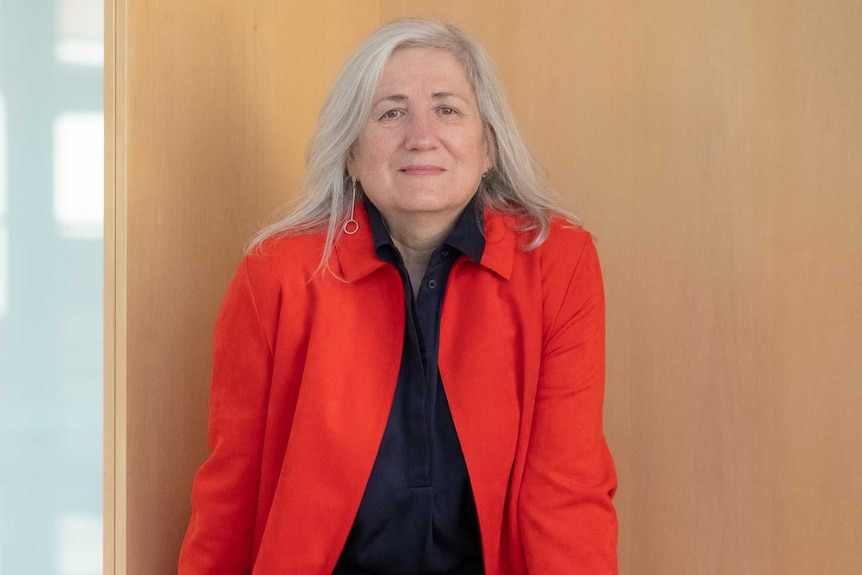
[114,406]
[714,151]
[221,98]
[712,148]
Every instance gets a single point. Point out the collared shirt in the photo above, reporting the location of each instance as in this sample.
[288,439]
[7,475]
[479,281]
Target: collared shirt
[418,515]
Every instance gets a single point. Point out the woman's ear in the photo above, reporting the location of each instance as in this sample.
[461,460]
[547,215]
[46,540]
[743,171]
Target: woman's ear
[490,138]
[350,164]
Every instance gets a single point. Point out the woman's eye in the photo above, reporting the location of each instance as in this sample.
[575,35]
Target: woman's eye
[391,114]
[447,111]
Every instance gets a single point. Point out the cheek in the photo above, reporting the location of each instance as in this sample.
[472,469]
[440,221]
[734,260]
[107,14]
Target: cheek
[476,149]
[371,158]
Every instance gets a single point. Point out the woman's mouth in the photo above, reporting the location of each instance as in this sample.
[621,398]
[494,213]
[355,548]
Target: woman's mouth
[422,170]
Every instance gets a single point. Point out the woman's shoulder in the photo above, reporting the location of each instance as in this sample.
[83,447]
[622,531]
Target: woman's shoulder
[564,231]
[286,257]
[567,250]
[569,258]
[553,252]
[564,237]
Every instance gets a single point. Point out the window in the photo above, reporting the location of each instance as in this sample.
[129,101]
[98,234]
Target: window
[51,270]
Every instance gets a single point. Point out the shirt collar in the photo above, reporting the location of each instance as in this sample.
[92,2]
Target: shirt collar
[466,236]
[355,254]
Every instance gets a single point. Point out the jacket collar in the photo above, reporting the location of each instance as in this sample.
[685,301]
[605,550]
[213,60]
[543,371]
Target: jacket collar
[357,258]
[467,235]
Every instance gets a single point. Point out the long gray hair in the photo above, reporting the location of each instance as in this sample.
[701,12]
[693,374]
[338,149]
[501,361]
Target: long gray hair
[515,185]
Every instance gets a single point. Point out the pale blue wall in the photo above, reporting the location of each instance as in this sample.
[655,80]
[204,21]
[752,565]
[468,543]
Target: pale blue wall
[50,287]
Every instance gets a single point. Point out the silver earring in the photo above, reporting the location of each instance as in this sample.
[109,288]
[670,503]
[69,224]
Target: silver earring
[351,226]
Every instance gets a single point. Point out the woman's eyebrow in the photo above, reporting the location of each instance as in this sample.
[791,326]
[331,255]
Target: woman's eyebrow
[444,95]
[404,98]
[391,98]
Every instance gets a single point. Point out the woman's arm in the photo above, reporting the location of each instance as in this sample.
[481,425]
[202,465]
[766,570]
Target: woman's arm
[568,522]
[220,534]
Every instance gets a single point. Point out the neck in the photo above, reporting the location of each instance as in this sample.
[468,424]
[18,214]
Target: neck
[416,238]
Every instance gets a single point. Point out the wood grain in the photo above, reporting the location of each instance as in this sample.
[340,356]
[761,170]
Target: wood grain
[221,98]
[712,148]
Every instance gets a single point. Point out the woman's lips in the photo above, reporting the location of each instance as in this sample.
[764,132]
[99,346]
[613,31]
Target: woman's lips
[422,170]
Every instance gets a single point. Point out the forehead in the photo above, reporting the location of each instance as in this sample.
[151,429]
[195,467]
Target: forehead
[424,69]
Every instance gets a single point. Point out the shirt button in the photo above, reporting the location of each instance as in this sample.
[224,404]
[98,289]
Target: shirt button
[444,254]
[432,284]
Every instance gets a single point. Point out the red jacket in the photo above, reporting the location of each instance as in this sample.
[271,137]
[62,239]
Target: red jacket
[304,372]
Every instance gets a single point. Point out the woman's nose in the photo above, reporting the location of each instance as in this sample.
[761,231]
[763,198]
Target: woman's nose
[421,132]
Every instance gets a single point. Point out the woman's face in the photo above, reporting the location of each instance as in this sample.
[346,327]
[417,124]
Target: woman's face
[422,150]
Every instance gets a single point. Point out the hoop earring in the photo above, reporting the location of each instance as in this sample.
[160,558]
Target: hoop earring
[351,226]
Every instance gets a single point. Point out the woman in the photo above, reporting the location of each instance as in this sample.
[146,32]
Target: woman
[409,370]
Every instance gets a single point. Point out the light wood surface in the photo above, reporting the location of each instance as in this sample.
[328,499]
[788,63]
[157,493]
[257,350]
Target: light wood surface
[207,123]
[712,148]
[114,407]
[714,151]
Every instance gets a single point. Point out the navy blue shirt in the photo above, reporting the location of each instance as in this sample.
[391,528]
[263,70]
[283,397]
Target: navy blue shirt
[418,515]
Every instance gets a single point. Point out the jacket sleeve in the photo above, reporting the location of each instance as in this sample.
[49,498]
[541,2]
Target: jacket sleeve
[219,538]
[568,522]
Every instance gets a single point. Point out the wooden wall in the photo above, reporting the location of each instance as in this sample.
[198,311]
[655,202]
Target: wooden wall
[214,103]
[712,148]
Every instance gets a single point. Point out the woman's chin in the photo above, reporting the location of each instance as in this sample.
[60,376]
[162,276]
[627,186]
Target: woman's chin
[430,208]
[429,203]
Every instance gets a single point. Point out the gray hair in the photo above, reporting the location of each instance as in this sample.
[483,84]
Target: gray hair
[515,185]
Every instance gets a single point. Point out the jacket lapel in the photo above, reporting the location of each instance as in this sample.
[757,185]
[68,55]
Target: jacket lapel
[337,428]
[482,371]
[351,370]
